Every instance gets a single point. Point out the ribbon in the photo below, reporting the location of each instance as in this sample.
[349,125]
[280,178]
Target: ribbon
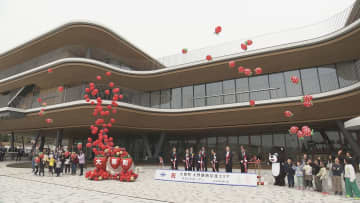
[201,163]
[174,161]
[187,162]
[227,158]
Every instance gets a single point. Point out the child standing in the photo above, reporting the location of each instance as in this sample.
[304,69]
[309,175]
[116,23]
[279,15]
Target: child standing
[36,164]
[58,167]
[51,164]
[42,167]
[322,175]
[67,164]
[299,174]
[337,170]
[350,180]
[308,175]
[290,171]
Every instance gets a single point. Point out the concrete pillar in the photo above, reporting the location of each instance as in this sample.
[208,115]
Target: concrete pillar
[350,140]
[159,145]
[326,138]
[147,146]
[59,137]
[12,142]
[42,143]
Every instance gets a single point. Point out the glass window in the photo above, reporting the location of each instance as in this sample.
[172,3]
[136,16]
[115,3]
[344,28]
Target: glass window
[267,142]
[187,100]
[165,99]
[258,83]
[310,81]
[155,99]
[199,95]
[232,139]
[212,143]
[316,137]
[145,99]
[346,73]
[242,89]
[357,65]
[255,140]
[279,139]
[213,90]
[292,89]
[328,78]
[277,81]
[334,138]
[229,91]
[243,139]
[291,143]
[176,98]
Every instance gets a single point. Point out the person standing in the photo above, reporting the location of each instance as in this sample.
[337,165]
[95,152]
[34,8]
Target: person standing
[308,175]
[323,175]
[173,159]
[67,164]
[299,174]
[214,161]
[228,160]
[42,167]
[203,153]
[290,172]
[200,162]
[36,164]
[74,162]
[351,187]
[337,169]
[243,157]
[51,164]
[81,158]
[187,163]
[192,159]
[315,171]
[58,167]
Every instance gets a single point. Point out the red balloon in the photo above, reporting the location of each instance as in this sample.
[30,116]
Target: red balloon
[116,90]
[300,134]
[231,64]
[49,120]
[288,114]
[107,92]
[87,100]
[184,51]
[115,97]
[86,96]
[88,145]
[89,139]
[293,130]
[294,79]
[60,88]
[108,73]
[121,96]
[218,30]
[249,42]
[44,104]
[252,102]
[114,103]
[109,107]
[241,69]
[109,125]
[111,84]
[114,111]
[258,71]
[98,77]
[79,146]
[92,102]
[247,72]
[308,104]
[87,90]
[243,46]
[50,70]
[208,58]
[39,100]
[41,113]
[92,84]
[112,120]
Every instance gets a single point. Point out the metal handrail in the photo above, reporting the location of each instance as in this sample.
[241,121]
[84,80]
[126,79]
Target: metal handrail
[260,90]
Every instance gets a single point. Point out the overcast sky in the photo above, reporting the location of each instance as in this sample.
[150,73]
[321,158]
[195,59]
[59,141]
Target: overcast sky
[163,27]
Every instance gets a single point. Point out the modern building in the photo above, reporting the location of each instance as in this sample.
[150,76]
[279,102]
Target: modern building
[184,100]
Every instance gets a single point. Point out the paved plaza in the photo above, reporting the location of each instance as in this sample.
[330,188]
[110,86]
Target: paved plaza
[20,185]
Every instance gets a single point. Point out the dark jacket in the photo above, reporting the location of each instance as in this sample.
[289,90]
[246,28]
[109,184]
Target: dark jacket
[230,159]
[315,168]
[289,170]
[337,169]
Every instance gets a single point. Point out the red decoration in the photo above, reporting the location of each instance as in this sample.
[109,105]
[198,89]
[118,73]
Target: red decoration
[44,104]
[114,111]
[111,84]
[79,146]
[247,72]
[89,139]
[249,42]
[108,73]
[300,134]
[293,130]
[252,102]
[241,69]
[288,114]
[121,96]
[116,90]
[184,51]
[231,64]
[294,79]
[60,88]
[243,46]
[39,100]
[41,113]
[107,92]
[87,90]
[258,71]
[218,30]
[49,120]
[98,77]
[112,120]
[208,58]
[50,70]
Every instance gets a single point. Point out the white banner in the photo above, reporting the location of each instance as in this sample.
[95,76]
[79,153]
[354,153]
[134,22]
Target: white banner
[219,178]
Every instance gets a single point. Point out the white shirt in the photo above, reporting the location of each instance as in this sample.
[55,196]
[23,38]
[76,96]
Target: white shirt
[350,172]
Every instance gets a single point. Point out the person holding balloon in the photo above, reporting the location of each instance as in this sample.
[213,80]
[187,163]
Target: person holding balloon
[81,158]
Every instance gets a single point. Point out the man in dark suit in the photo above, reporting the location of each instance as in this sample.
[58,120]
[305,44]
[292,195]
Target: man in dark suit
[243,157]
[174,159]
[203,153]
[228,159]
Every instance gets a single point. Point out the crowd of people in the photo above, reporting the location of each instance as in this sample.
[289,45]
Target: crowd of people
[59,162]
[321,175]
[324,175]
[200,160]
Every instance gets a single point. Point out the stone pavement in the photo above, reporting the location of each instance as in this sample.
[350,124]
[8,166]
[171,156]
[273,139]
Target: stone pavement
[20,185]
